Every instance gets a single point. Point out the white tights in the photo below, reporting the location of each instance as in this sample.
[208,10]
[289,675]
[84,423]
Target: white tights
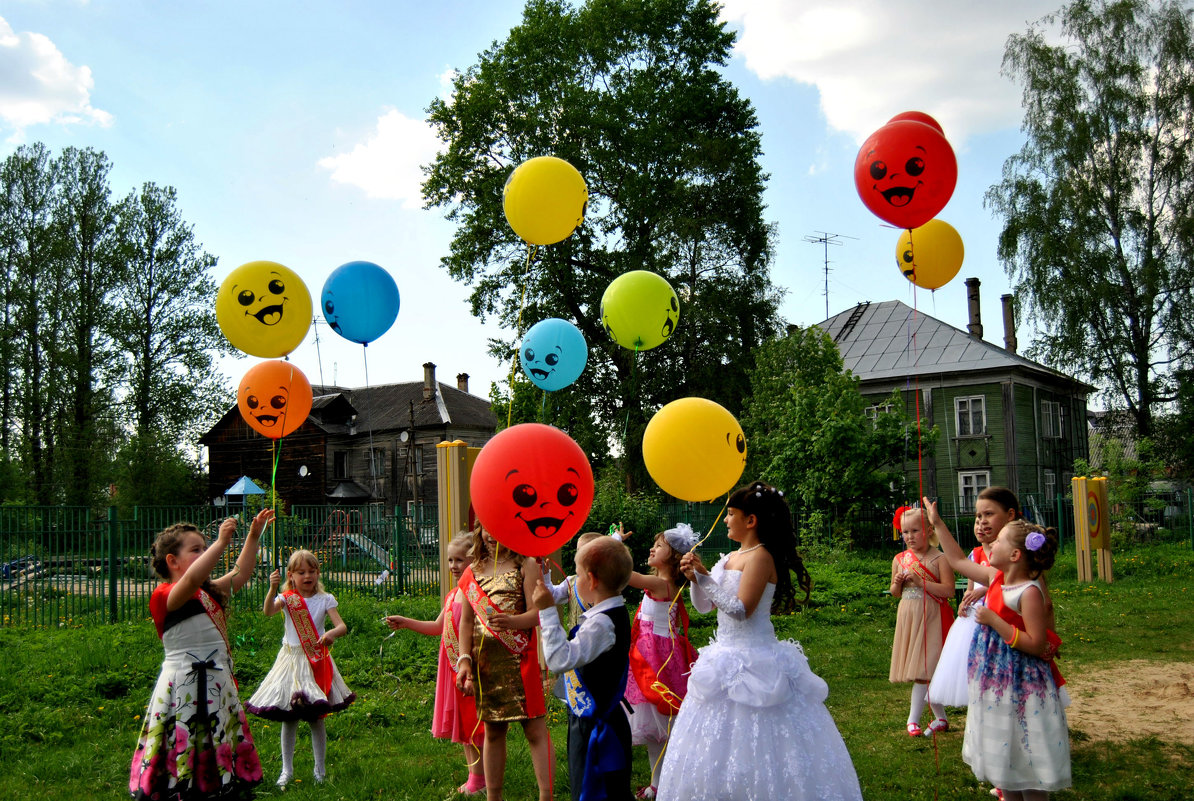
[319,746]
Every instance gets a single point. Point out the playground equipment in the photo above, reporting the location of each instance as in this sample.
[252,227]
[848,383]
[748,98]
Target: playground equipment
[1092,526]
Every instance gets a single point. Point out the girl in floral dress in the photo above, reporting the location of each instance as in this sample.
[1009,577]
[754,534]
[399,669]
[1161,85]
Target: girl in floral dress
[195,741]
[1017,737]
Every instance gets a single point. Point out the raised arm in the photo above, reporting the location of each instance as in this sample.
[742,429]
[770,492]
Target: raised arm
[200,569]
[953,552]
[658,586]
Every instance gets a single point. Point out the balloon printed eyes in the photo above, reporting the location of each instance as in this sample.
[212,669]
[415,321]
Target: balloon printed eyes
[567,494]
[915,166]
[878,170]
[524,495]
[276,402]
[739,442]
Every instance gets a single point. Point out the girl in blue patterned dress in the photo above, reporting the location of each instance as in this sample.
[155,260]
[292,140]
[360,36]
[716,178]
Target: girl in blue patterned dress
[1016,732]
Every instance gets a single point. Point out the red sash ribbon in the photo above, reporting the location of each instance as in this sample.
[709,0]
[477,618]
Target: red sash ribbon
[996,604]
[451,637]
[911,562]
[317,653]
[516,642]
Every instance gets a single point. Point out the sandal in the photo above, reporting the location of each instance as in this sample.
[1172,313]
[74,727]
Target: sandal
[914,730]
[938,725]
[646,792]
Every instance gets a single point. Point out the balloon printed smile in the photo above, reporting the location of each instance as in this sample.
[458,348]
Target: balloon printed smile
[267,420]
[899,195]
[270,315]
[544,527]
[542,375]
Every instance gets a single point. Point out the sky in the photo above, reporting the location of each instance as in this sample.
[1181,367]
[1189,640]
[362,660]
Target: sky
[294,132]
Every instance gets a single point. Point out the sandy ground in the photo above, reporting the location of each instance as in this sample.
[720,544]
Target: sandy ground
[1134,699]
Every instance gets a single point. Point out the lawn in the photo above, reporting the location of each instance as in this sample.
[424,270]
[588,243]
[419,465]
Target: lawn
[72,697]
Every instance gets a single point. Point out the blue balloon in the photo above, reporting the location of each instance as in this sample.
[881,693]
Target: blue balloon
[360,301]
[553,353]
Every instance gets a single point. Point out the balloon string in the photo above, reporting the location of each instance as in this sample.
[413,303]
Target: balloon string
[372,452]
[531,251]
[318,355]
[276,447]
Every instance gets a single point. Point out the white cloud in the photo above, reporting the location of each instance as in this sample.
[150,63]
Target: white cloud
[871,59]
[387,165]
[38,85]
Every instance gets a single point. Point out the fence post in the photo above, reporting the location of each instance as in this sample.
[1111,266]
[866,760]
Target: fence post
[112,527]
[1190,517]
[1057,501]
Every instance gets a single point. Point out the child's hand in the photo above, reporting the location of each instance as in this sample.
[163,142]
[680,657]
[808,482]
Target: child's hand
[930,508]
[327,639]
[397,622]
[501,620]
[968,600]
[985,616]
[227,529]
[623,533]
[275,579]
[541,596]
[690,565]
[464,679]
[262,519]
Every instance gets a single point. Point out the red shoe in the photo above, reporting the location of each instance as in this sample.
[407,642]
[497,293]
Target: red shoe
[646,792]
[938,725]
[914,730]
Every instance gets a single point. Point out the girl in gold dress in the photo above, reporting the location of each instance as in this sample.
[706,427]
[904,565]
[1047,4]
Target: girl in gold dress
[499,658]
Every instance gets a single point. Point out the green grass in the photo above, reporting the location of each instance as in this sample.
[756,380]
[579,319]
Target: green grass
[72,696]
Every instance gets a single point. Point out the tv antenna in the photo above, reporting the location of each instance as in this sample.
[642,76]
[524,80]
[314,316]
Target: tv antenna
[825,239]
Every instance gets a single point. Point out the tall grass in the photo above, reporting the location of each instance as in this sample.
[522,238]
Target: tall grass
[72,696]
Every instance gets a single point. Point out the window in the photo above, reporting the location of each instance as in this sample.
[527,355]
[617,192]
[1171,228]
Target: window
[970,484]
[417,458]
[1052,421]
[377,463]
[873,412]
[340,464]
[1050,482]
[970,416]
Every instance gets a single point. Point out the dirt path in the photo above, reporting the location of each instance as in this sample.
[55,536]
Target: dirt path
[1134,699]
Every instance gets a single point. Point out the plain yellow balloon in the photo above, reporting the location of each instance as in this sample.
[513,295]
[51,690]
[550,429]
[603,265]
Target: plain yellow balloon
[545,200]
[931,255]
[264,309]
[694,449]
[640,310]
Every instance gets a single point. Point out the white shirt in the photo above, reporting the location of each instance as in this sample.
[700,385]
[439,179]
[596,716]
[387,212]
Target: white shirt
[594,636]
[318,605]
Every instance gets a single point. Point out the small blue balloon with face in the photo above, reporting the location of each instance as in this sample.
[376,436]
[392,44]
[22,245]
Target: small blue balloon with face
[553,353]
[360,301]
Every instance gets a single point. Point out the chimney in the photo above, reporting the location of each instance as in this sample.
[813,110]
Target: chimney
[975,326]
[428,380]
[1009,324]
[462,382]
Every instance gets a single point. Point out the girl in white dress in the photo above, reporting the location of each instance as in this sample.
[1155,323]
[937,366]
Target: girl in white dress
[304,683]
[754,723]
[994,508]
[1016,732]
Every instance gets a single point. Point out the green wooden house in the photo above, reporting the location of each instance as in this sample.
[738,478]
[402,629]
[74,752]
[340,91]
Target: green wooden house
[1003,419]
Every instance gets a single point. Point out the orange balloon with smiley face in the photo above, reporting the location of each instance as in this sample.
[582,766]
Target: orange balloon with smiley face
[274,398]
[905,173]
[532,488]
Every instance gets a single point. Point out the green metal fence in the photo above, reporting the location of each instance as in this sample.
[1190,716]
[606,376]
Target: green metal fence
[66,566]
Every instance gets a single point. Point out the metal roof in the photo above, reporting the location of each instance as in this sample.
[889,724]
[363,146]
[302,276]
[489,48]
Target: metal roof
[891,340]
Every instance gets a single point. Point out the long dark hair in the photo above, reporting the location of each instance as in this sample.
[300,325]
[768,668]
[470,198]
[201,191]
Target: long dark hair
[778,536]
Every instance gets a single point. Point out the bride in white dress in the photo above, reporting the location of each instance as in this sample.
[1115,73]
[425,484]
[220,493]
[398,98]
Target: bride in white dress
[754,724]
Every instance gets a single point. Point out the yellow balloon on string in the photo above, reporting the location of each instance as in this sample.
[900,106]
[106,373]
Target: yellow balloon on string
[931,255]
[264,309]
[544,200]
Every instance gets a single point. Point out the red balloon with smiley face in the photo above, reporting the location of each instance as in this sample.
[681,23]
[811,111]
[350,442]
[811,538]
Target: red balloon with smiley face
[532,488]
[906,172]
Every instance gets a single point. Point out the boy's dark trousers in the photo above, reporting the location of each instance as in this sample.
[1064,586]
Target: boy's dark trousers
[617,783]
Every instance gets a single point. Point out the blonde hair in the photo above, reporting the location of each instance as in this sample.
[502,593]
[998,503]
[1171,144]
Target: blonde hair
[301,557]
[610,561]
[480,551]
[463,541]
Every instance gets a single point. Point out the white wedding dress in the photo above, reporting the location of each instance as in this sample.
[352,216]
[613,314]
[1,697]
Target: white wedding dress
[754,726]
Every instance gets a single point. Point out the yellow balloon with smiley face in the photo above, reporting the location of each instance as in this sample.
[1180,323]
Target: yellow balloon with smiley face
[694,449]
[264,309]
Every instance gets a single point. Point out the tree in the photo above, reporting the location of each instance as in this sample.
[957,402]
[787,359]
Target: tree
[629,93]
[1098,231]
[808,432]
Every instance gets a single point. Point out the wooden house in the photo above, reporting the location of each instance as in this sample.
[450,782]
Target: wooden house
[366,445]
[1003,419]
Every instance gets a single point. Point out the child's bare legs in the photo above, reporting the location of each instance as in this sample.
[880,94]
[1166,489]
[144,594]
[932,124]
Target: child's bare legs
[539,742]
[494,758]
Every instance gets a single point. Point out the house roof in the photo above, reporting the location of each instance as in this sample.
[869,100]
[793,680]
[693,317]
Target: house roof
[891,340]
[390,406]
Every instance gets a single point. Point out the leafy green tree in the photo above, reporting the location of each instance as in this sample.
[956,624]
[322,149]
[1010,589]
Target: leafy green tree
[808,432]
[1097,205]
[631,94]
